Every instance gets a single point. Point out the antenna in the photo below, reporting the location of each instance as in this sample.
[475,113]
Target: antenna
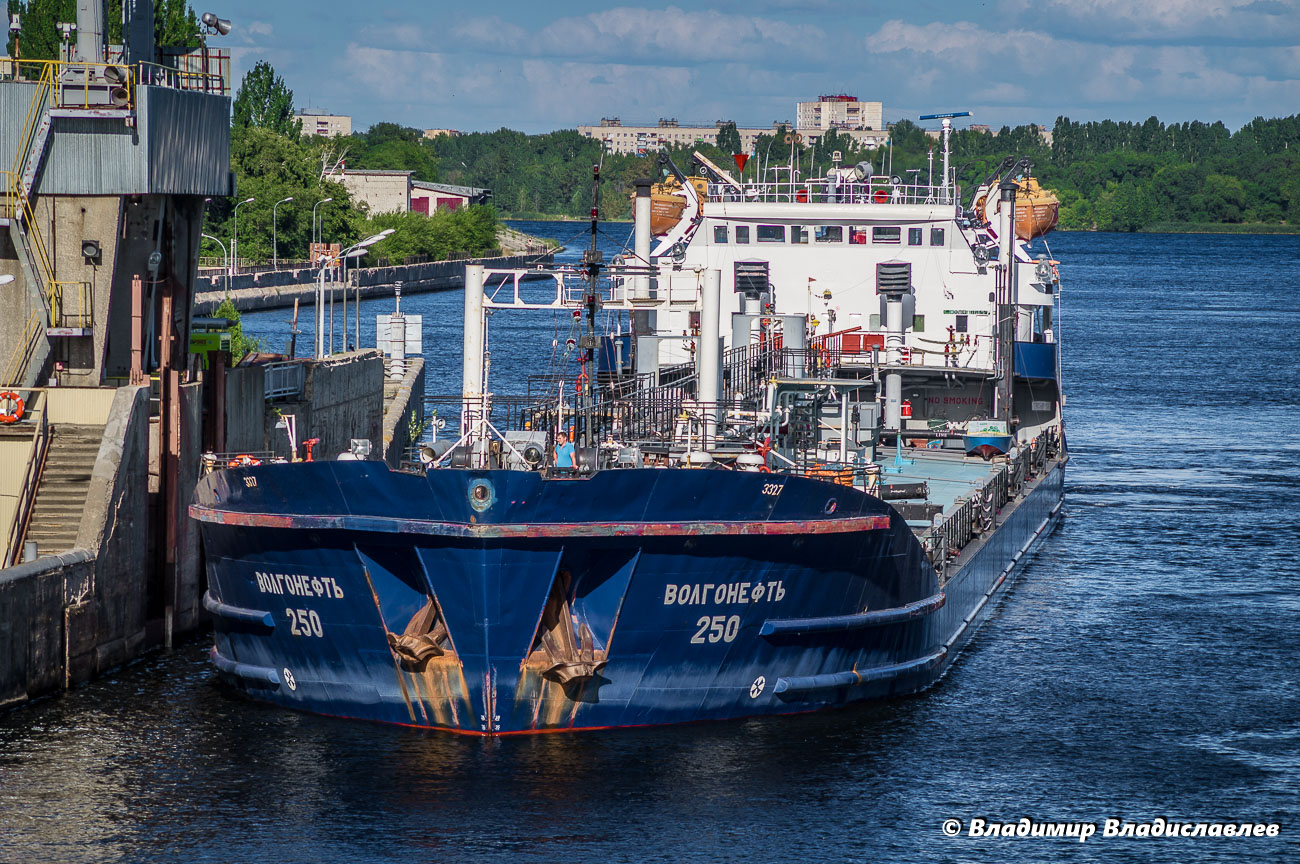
[947,132]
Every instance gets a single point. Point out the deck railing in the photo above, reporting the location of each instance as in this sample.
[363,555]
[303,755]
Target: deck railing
[874,190]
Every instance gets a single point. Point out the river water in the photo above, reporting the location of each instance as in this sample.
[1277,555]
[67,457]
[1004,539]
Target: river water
[1145,665]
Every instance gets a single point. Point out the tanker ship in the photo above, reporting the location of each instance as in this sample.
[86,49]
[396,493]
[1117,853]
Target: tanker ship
[822,435]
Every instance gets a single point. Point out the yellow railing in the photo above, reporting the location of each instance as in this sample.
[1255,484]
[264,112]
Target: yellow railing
[35,111]
[23,350]
[74,82]
[18,206]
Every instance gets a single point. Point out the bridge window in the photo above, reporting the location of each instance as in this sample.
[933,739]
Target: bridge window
[771,233]
[798,234]
[830,233]
[936,236]
[742,233]
[963,322]
[857,235]
[883,234]
[913,236]
[719,233]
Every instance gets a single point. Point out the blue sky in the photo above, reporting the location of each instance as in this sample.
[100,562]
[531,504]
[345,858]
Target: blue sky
[537,66]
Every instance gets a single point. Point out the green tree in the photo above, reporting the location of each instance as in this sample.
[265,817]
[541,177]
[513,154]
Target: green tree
[729,138]
[446,233]
[265,101]
[270,167]
[174,23]
[394,147]
[239,343]
[40,21]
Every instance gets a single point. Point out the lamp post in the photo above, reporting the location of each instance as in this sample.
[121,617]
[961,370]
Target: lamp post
[234,240]
[322,261]
[227,257]
[275,245]
[314,238]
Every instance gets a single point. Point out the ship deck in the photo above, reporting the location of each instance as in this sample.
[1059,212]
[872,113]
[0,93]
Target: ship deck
[948,474]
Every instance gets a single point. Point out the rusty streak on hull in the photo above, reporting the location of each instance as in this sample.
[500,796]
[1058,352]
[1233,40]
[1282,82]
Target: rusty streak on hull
[392,525]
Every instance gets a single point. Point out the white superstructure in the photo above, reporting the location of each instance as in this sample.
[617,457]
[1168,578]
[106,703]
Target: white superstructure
[821,242]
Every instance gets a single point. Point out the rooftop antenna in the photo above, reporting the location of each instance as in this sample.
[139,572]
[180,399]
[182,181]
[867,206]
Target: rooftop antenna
[947,132]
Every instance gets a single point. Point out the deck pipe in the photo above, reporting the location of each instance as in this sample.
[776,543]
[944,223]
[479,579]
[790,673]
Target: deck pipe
[471,380]
[643,321]
[893,281]
[90,31]
[709,355]
[1004,308]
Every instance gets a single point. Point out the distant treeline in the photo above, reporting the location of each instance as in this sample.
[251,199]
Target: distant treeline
[1111,176]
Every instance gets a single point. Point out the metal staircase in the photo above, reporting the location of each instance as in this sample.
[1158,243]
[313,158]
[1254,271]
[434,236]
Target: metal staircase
[50,298]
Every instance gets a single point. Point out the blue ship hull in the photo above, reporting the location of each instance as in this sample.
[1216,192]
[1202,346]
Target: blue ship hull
[499,602]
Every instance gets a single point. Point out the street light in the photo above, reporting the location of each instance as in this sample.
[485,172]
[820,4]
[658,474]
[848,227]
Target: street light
[234,241]
[314,238]
[227,257]
[322,261]
[275,246]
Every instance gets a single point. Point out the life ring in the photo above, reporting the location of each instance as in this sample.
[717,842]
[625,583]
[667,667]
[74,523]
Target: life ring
[11,414]
[801,196]
[244,459]
[880,196]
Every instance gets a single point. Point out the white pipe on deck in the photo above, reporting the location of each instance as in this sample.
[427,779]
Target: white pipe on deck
[471,386]
[709,356]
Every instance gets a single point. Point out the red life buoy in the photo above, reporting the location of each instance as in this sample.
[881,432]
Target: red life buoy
[13,410]
[244,459]
[801,196]
[880,196]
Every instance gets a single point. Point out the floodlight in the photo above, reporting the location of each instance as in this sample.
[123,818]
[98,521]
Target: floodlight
[219,26]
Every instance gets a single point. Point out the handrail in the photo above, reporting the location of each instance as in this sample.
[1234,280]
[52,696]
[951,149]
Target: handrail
[20,207]
[60,71]
[31,479]
[43,88]
[875,190]
[22,352]
[143,73]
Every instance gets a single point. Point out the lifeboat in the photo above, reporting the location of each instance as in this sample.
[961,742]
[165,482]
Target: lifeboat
[1036,208]
[667,203]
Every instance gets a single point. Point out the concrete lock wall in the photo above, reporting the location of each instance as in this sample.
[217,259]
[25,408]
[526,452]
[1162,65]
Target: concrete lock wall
[72,616]
[342,398]
[246,410]
[404,414]
[345,395]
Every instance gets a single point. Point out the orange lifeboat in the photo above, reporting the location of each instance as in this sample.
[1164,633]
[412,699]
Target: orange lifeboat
[667,203]
[1036,209]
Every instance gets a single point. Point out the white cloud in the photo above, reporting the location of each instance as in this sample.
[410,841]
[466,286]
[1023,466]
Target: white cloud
[1120,20]
[628,34]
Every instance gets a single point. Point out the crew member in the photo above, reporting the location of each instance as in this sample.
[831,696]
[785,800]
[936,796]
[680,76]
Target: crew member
[563,453]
